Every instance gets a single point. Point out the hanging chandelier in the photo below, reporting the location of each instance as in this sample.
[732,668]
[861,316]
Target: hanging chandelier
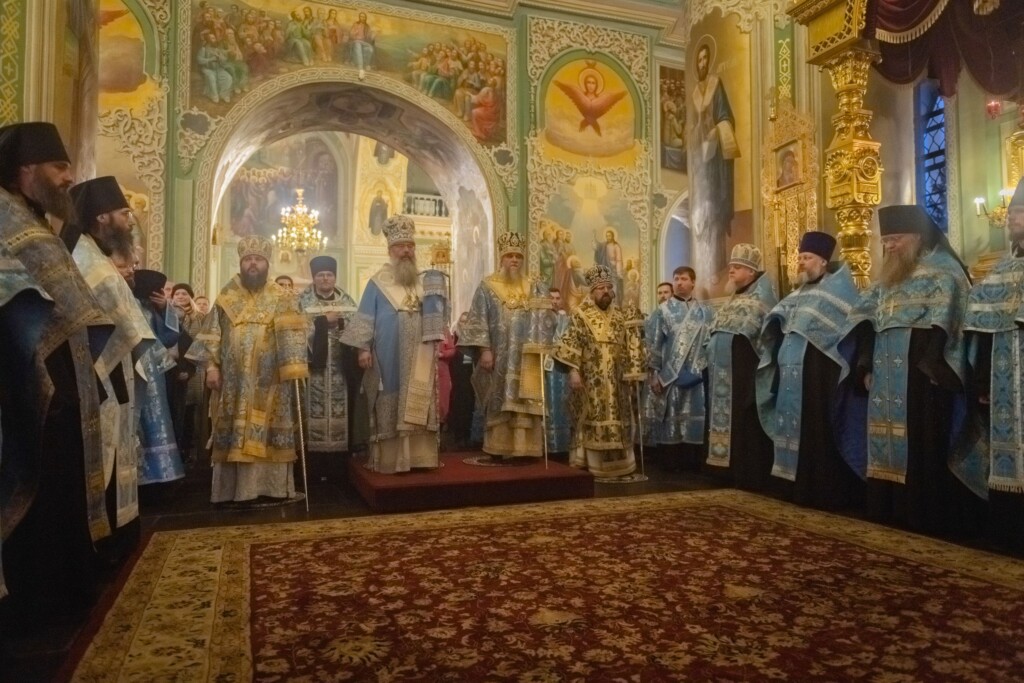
[298,231]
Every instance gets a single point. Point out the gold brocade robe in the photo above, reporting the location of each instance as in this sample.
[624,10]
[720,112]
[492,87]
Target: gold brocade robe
[500,320]
[609,355]
[258,341]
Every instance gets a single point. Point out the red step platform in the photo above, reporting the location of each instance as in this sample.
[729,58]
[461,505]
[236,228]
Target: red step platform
[459,484]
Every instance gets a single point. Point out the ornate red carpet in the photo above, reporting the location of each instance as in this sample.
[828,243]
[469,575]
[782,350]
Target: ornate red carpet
[716,585]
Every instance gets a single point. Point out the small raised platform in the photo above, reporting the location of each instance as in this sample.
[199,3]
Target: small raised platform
[459,484]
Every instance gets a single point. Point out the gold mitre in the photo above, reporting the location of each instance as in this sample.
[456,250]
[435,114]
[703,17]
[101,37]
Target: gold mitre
[255,245]
[599,275]
[399,229]
[511,243]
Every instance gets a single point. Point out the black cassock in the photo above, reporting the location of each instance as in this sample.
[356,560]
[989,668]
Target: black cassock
[823,479]
[751,451]
[50,565]
[932,500]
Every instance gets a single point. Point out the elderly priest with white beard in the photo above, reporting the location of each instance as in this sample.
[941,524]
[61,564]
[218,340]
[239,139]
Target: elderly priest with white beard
[397,329]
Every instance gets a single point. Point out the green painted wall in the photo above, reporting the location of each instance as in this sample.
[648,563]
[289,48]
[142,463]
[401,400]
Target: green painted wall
[981,167]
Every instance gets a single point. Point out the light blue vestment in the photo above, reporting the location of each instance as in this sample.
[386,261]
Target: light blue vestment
[401,387]
[556,387]
[815,314]
[742,315]
[678,331]
[935,295]
[159,457]
[996,307]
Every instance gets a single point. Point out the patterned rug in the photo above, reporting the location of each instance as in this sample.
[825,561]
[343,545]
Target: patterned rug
[712,585]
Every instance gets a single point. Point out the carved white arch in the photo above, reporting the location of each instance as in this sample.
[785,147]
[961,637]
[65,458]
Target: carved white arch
[381,109]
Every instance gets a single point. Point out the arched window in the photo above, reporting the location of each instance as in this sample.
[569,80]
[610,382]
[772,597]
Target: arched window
[930,136]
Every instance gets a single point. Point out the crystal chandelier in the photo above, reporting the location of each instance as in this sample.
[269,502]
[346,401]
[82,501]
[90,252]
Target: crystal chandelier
[299,231]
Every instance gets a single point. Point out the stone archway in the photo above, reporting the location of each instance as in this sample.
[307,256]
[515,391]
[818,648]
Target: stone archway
[396,114]
[676,247]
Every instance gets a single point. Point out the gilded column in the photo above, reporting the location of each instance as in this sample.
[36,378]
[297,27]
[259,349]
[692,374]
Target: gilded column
[853,171]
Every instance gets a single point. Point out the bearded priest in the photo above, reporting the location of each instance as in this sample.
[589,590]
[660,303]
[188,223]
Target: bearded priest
[396,330]
[507,377]
[252,344]
[605,356]
[912,360]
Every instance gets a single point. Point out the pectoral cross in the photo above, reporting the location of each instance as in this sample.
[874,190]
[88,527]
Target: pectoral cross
[411,301]
[892,303]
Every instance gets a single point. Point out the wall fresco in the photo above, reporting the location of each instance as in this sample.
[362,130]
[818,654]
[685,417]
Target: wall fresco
[235,47]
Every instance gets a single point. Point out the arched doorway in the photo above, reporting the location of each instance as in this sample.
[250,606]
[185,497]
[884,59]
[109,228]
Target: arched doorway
[393,113]
[676,248]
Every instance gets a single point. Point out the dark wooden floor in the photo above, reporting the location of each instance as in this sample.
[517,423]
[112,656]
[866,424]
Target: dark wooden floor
[185,504]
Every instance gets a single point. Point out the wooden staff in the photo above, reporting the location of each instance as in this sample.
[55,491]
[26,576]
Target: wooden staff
[544,406]
[640,427]
[302,439]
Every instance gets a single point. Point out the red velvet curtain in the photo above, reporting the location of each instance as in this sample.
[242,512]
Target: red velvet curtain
[897,16]
[990,47]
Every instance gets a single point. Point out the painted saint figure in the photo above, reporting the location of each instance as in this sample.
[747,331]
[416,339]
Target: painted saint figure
[712,151]
[609,254]
[378,213]
[361,42]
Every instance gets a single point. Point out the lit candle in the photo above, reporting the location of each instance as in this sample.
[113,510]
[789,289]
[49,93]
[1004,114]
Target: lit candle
[978,203]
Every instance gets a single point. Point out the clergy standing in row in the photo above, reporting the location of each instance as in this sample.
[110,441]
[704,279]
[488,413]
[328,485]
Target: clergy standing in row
[102,226]
[508,367]
[678,330]
[327,308]
[51,331]
[995,316]
[138,434]
[606,362]
[397,335]
[805,383]
[253,347]
[736,440]
[912,359]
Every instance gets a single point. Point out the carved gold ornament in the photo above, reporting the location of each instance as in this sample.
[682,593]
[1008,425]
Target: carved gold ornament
[789,181]
[853,170]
